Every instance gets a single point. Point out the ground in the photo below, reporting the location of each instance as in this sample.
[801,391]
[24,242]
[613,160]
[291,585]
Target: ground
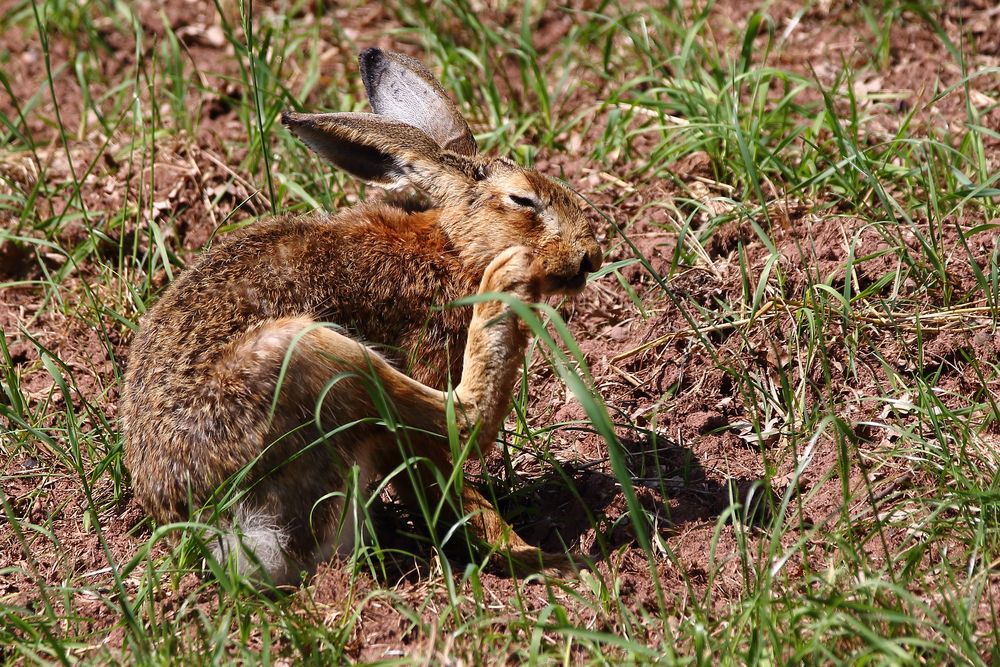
[794,345]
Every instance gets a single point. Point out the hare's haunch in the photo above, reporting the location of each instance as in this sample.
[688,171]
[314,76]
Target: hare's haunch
[235,382]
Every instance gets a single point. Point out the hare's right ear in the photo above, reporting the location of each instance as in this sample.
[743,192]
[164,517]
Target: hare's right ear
[380,150]
[400,87]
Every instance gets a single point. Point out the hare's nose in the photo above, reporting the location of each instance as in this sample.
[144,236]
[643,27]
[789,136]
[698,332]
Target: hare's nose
[590,262]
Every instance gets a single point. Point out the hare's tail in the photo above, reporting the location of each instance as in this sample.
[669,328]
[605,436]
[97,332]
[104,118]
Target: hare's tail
[258,542]
[262,543]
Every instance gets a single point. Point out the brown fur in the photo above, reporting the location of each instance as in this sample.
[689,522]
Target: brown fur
[228,368]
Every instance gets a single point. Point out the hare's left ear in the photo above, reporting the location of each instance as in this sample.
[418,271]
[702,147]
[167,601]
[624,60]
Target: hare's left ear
[383,151]
[400,87]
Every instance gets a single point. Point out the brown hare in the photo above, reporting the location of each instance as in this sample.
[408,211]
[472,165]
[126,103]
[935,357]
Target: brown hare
[233,382]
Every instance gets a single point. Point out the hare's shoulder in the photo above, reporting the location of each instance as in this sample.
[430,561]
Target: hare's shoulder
[377,226]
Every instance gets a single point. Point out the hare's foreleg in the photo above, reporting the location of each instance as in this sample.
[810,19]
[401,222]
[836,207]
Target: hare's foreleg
[494,354]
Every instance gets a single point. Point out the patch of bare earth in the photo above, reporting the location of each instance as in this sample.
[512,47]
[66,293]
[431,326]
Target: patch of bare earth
[694,447]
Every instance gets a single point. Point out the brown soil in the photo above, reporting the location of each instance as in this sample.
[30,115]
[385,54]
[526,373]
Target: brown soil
[697,440]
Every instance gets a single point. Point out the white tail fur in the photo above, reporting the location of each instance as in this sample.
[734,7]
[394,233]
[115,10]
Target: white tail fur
[259,542]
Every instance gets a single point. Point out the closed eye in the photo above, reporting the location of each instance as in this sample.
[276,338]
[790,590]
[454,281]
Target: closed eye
[526,202]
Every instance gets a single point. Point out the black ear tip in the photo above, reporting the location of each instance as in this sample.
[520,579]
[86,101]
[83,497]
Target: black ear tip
[289,119]
[370,56]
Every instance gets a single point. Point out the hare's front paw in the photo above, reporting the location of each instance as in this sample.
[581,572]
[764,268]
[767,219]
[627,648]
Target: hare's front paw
[514,271]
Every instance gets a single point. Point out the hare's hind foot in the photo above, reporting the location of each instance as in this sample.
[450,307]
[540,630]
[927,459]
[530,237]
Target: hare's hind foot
[513,554]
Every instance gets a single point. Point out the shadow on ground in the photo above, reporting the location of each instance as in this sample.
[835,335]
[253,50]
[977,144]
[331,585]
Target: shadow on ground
[574,508]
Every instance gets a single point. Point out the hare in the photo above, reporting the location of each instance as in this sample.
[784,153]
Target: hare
[234,382]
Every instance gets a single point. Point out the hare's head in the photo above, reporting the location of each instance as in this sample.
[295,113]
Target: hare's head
[418,138]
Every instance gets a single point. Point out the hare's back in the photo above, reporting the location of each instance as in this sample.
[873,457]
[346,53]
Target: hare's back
[377,271]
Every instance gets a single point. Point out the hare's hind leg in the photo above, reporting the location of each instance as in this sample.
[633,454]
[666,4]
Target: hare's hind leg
[494,354]
[342,382]
[418,486]
[325,395]
[297,505]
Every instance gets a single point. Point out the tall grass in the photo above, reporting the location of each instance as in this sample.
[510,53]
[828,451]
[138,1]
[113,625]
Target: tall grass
[900,569]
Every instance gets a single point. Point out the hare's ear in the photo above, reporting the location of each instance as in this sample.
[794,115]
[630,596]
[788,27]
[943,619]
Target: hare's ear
[400,87]
[375,149]
[382,151]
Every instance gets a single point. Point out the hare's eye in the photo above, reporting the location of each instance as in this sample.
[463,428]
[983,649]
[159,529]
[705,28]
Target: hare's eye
[526,202]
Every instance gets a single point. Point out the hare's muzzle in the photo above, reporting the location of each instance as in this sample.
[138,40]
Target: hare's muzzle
[570,275]
[591,261]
